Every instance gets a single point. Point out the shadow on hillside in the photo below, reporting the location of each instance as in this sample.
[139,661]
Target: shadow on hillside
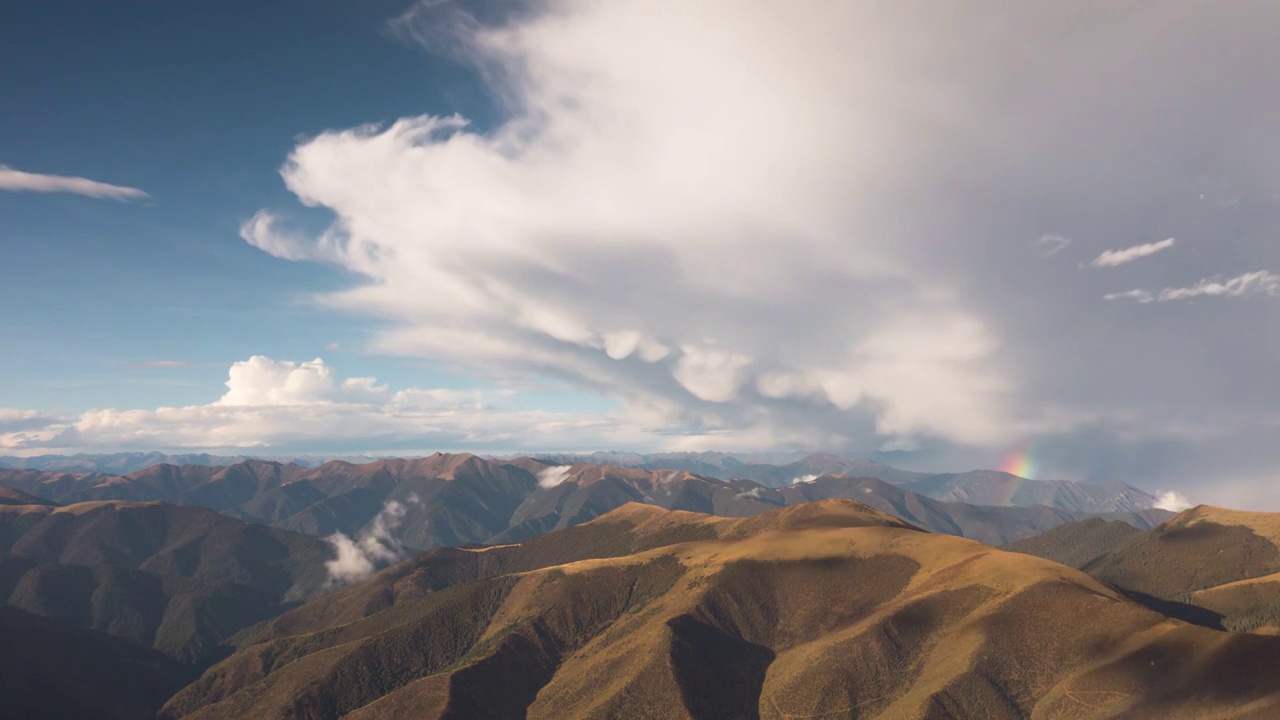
[1185,612]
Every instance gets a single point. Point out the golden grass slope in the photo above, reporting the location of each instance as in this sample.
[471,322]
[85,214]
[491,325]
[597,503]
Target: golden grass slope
[824,610]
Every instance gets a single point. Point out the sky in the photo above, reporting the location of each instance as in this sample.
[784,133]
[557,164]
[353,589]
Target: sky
[940,234]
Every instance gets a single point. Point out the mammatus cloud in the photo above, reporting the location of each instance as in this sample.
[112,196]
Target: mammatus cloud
[1172,501]
[1112,258]
[375,547]
[553,476]
[19,181]
[1051,245]
[1260,282]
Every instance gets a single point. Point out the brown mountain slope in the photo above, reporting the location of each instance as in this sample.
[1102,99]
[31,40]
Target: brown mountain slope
[1224,561]
[50,670]
[179,580]
[10,496]
[1078,544]
[825,610]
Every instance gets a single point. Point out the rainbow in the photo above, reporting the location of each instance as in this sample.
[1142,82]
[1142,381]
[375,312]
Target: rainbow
[1018,462]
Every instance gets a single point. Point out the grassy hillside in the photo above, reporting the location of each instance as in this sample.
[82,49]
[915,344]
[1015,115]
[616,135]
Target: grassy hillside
[826,609]
[50,670]
[1223,562]
[179,580]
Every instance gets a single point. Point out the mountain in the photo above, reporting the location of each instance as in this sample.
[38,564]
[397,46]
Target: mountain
[174,579]
[115,463]
[121,463]
[1225,563]
[51,670]
[461,498]
[819,610]
[976,487]
[991,487]
[1078,544]
[10,496]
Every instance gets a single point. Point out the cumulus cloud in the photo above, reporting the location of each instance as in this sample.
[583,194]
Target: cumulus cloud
[553,476]
[790,224]
[299,406]
[674,227]
[1260,282]
[1051,245]
[375,547]
[19,181]
[1172,501]
[1112,258]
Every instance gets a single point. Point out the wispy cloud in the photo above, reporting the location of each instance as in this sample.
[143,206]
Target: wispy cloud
[1051,245]
[1259,282]
[1173,501]
[1142,296]
[553,476]
[1112,258]
[19,181]
[378,545]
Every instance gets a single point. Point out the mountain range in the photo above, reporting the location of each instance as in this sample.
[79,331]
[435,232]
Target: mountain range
[177,580]
[826,609]
[454,499]
[979,487]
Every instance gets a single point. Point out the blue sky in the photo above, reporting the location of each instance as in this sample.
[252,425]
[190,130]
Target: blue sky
[879,229]
[198,105]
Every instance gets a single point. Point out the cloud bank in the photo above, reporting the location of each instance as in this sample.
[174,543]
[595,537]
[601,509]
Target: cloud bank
[767,224]
[19,181]
[307,406]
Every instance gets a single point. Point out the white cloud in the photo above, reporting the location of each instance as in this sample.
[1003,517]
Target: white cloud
[285,404]
[635,203]
[1051,245]
[1172,501]
[19,181]
[753,493]
[1260,282]
[803,479]
[553,476]
[1112,258]
[376,546]
[1142,296]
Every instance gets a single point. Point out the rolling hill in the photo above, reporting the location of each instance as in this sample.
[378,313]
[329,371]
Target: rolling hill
[1225,562]
[829,608]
